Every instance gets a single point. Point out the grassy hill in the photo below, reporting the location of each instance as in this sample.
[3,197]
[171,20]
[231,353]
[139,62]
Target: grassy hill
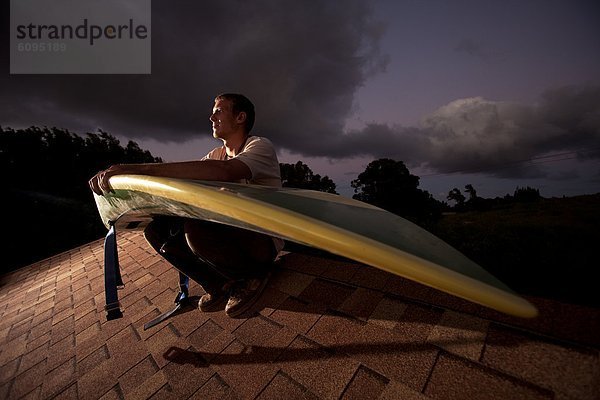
[546,248]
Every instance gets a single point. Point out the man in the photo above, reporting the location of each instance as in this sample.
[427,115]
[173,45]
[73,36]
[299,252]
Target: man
[231,264]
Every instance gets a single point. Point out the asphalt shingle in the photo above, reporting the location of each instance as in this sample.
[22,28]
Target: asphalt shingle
[324,329]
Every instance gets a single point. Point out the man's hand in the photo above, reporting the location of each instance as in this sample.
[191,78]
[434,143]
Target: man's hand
[99,182]
[212,170]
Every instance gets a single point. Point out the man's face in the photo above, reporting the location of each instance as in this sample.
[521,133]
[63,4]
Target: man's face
[223,121]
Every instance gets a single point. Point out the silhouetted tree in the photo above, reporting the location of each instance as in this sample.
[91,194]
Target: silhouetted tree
[526,194]
[475,202]
[300,176]
[470,190]
[388,184]
[456,196]
[59,162]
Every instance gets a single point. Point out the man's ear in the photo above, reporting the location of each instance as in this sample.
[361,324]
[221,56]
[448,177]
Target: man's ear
[241,117]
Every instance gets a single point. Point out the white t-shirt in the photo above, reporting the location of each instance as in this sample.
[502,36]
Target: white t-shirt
[259,155]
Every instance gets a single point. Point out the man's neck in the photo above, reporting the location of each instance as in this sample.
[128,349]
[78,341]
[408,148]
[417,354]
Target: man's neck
[234,145]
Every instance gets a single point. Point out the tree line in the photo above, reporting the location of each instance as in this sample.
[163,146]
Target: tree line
[58,162]
[473,202]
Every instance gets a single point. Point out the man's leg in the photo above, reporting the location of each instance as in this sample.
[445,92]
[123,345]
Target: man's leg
[166,236]
[244,256]
[238,253]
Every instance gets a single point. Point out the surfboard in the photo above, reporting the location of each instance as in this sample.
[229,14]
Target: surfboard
[339,225]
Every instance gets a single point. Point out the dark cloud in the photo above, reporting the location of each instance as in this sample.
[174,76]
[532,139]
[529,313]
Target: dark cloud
[301,62]
[496,138]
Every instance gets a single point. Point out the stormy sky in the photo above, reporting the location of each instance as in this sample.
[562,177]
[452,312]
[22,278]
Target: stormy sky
[494,93]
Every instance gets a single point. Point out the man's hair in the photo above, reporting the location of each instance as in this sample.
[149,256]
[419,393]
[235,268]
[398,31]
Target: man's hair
[240,103]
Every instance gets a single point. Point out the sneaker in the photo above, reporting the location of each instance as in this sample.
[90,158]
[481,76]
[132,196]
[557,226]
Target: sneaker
[244,295]
[213,302]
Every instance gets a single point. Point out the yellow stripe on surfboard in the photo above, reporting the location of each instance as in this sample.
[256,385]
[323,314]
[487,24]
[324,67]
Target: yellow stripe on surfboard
[311,231]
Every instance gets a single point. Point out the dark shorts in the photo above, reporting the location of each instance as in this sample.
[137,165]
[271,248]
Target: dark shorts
[211,253]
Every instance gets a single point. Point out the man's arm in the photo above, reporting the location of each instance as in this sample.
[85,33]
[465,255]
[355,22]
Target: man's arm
[212,170]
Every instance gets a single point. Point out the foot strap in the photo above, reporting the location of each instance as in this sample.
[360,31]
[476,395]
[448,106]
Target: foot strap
[112,275]
[181,301]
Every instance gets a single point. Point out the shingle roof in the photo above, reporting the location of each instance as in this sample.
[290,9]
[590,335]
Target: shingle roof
[324,329]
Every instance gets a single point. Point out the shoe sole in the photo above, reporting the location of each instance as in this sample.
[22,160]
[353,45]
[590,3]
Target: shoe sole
[215,306]
[252,301]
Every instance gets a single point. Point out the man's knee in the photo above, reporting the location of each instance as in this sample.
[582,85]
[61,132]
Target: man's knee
[197,235]
[154,235]
[161,230]
[228,245]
